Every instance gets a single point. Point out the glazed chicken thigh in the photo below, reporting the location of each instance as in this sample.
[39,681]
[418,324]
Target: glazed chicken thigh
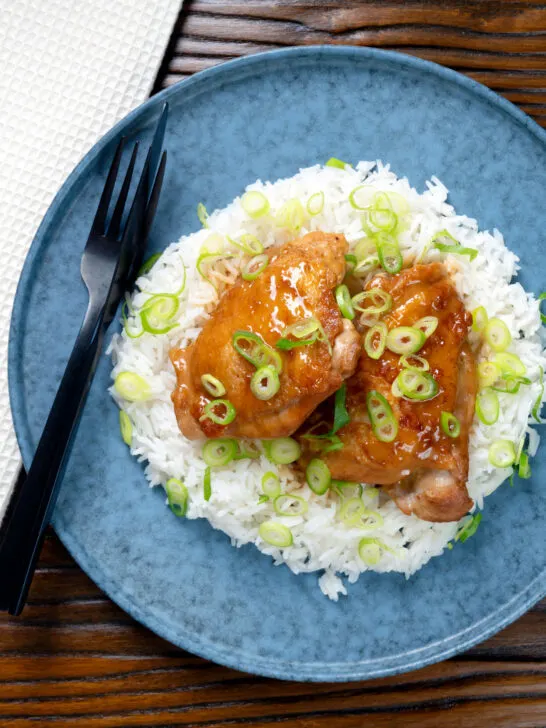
[297,285]
[423,469]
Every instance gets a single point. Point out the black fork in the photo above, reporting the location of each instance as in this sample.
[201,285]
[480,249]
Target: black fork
[110,262]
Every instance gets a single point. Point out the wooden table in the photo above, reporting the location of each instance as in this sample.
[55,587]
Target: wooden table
[74,659]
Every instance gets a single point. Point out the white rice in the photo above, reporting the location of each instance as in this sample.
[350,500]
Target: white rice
[321,542]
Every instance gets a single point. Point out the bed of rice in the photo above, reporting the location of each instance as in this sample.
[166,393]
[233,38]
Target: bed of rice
[321,542]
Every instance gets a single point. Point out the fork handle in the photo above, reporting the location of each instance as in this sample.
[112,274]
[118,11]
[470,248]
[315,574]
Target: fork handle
[33,504]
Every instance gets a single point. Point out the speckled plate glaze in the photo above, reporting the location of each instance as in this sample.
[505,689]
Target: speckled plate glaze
[266,116]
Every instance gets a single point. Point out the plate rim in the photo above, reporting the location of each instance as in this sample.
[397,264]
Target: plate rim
[235,658]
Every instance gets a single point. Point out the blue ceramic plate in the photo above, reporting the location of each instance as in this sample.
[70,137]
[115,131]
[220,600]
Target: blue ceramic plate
[267,116]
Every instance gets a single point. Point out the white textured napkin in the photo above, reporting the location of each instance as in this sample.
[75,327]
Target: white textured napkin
[69,69]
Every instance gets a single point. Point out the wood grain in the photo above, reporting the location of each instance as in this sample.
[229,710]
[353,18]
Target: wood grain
[75,660]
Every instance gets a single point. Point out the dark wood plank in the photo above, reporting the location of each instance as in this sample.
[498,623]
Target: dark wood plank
[74,659]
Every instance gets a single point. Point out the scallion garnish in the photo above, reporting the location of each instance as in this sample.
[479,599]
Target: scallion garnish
[275,534]
[469,528]
[427,324]
[213,385]
[132,387]
[207,486]
[158,312]
[225,416]
[271,484]
[255,204]
[126,427]
[177,496]
[488,373]
[383,421]
[510,364]
[282,451]
[341,416]
[373,302]
[303,333]
[248,243]
[502,454]
[265,383]
[366,265]
[524,467]
[317,475]
[538,402]
[375,340]
[291,215]
[370,550]
[315,204]
[414,362]
[205,262]
[254,349]
[542,316]
[479,319]
[416,386]
[343,298]
[389,253]
[497,334]
[361,198]
[337,163]
[346,489]
[450,424]
[290,505]
[405,340]
[203,215]
[219,452]
[446,243]
[148,264]
[487,406]
[254,267]
[354,514]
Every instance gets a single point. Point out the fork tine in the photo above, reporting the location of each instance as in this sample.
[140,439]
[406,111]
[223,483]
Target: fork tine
[99,223]
[154,198]
[115,222]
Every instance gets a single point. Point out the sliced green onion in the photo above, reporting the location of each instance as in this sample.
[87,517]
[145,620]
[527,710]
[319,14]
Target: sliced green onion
[376,340]
[210,412]
[126,328]
[203,215]
[366,265]
[510,384]
[334,443]
[538,402]
[132,387]
[479,319]
[317,475]
[450,424]
[343,298]
[291,215]
[263,499]
[207,487]
[213,385]
[276,534]
[158,312]
[341,416]
[337,163]
[446,243]
[265,383]
[417,386]
[306,332]
[389,253]
[351,260]
[414,362]
[380,301]
[254,349]
[247,450]
[126,427]
[213,245]
[354,514]
[283,450]
[427,324]
[383,421]
[524,468]
[364,248]
[271,484]
[542,316]
[487,406]
[383,219]
[256,265]
[510,364]
[405,340]
[206,260]
[219,452]
[148,264]
[362,197]
[346,489]
[469,528]
[488,373]
[315,204]
[497,334]
[370,550]
[248,243]
[255,204]
[177,496]
[502,454]
[290,505]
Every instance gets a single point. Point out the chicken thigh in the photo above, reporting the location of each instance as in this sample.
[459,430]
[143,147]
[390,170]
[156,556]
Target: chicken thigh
[297,285]
[423,469]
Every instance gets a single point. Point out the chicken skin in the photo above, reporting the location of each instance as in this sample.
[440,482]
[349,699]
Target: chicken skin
[423,469]
[298,284]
